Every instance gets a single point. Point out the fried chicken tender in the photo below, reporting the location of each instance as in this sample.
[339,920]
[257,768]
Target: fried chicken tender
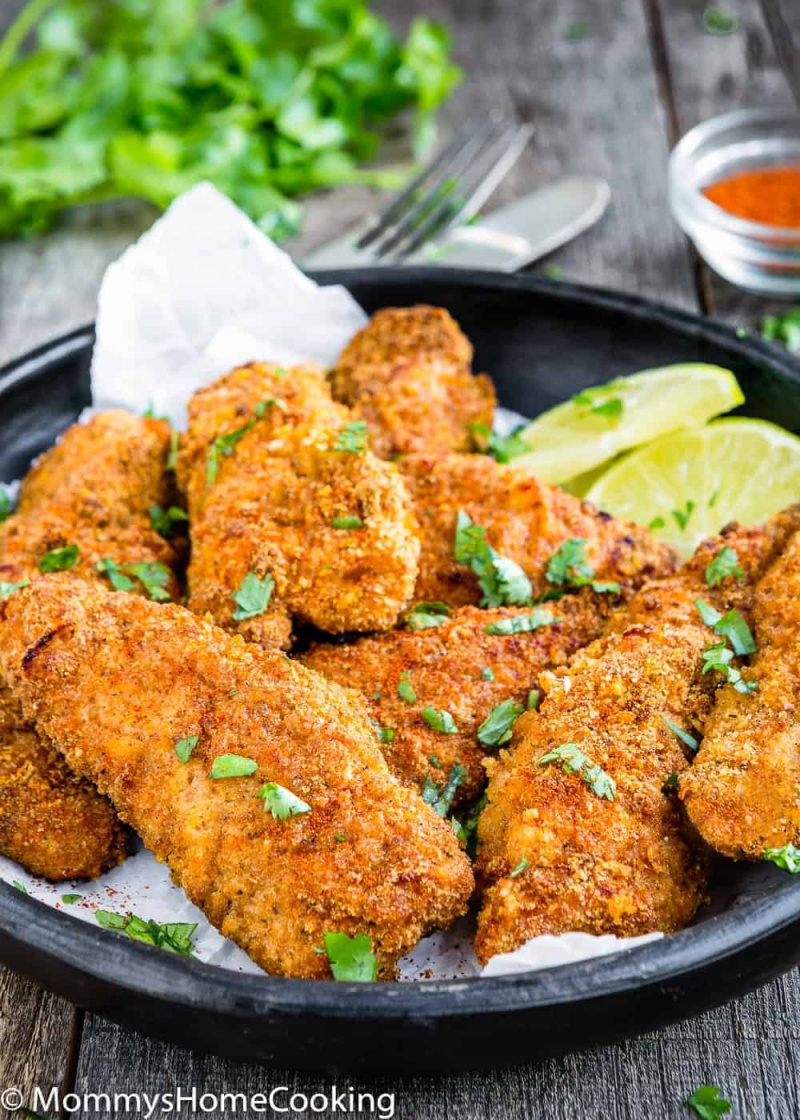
[408,374]
[271,496]
[525,520]
[117,681]
[555,854]
[742,791]
[94,490]
[460,668]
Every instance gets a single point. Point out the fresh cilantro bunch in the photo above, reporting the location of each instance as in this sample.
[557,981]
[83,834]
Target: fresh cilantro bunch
[267,99]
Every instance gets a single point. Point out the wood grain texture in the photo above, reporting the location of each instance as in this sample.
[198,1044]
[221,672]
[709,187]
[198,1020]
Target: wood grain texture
[604,104]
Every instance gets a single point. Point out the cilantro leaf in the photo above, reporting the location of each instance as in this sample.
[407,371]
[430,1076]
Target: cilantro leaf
[225,444]
[6,505]
[184,747]
[708,1103]
[684,736]
[523,623]
[568,564]
[351,958]
[405,689]
[59,559]
[724,564]
[487,673]
[385,734]
[348,521]
[717,21]
[116,578]
[496,729]
[671,784]
[682,516]
[440,799]
[153,577]
[787,857]
[69,899]
[731,626]
[501,580]
[502,448]
[783,328]
[439,721]
[352,438]
[232,766]
[718,658]
[173,937]
[166,521]
[574,761]
[523,865]
[7,589]
[281,802]
[425,616]
[252,597]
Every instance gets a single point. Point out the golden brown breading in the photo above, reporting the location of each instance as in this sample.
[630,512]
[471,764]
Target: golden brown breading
[117,681]
[742,791]
[556,856]
[94,490]
[271,508]
[459,668]
[408,374]
[525,520]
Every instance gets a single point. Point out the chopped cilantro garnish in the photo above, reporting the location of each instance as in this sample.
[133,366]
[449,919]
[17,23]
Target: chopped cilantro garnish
[609,407]
[523,623]
[174,446]
[783,328]
[708,1103]
[440,800]
[232,766]
[568,564]
[20,886]
[435,761]
[533,700]
[153,577]
[116,578]
[281,802]
[502,448]
[467,831]
[405,689]
[521,866]
[59,559]
[712,501]
[425,616]
[671,784]
[6,505]
[576,31]
[352,438]
[717,21]
[718,658]
[165,521]
[252,596]
[574,761]
[787,857]
[351,958]
[684,736]
[439,721]
[224,445]
[731,626]
[682,515]
[725,563]
[656,523]
[69,899]
[501,580]
[385,734]
[184,747]
[7,589]
[174,937]
[348,521]
[497,727]
[487,673]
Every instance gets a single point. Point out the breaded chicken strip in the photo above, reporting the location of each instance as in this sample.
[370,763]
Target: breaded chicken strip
[581,831]
[408,374]
[525,520]
[52,823]
[119,682]
[283,493]
[464,668]
[91,492]
[742,791]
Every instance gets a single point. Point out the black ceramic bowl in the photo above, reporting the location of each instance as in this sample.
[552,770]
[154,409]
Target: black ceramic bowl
[541,342]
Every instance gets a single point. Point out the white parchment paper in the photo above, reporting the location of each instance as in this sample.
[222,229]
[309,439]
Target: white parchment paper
[202,291]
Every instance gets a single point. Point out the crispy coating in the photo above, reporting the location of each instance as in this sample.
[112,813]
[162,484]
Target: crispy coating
[117,681]
[271,508]
[742,791]
[524,519]
[448,668]
[94,490]
[408,374]
[554,855]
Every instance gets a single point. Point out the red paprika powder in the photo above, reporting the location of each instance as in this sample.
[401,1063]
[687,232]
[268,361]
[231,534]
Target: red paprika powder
[770,195]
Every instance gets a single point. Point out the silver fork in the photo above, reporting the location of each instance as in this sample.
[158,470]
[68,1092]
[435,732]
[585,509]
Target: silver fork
[449,191]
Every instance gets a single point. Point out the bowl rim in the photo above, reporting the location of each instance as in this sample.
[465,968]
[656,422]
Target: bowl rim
[685,194]
[125,966]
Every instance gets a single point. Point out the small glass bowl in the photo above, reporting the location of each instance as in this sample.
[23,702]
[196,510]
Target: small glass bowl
[760,258]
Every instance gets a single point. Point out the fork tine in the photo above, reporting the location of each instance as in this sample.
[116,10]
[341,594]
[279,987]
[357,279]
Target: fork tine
[461,136]
[492,167]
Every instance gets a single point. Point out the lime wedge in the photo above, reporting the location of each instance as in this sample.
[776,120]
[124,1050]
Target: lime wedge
[689,484]
[576,437]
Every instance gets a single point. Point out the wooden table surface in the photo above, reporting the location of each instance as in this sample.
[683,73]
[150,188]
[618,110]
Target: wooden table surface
[611,103]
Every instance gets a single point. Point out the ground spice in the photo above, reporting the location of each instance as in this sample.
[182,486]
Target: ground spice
[770,195]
